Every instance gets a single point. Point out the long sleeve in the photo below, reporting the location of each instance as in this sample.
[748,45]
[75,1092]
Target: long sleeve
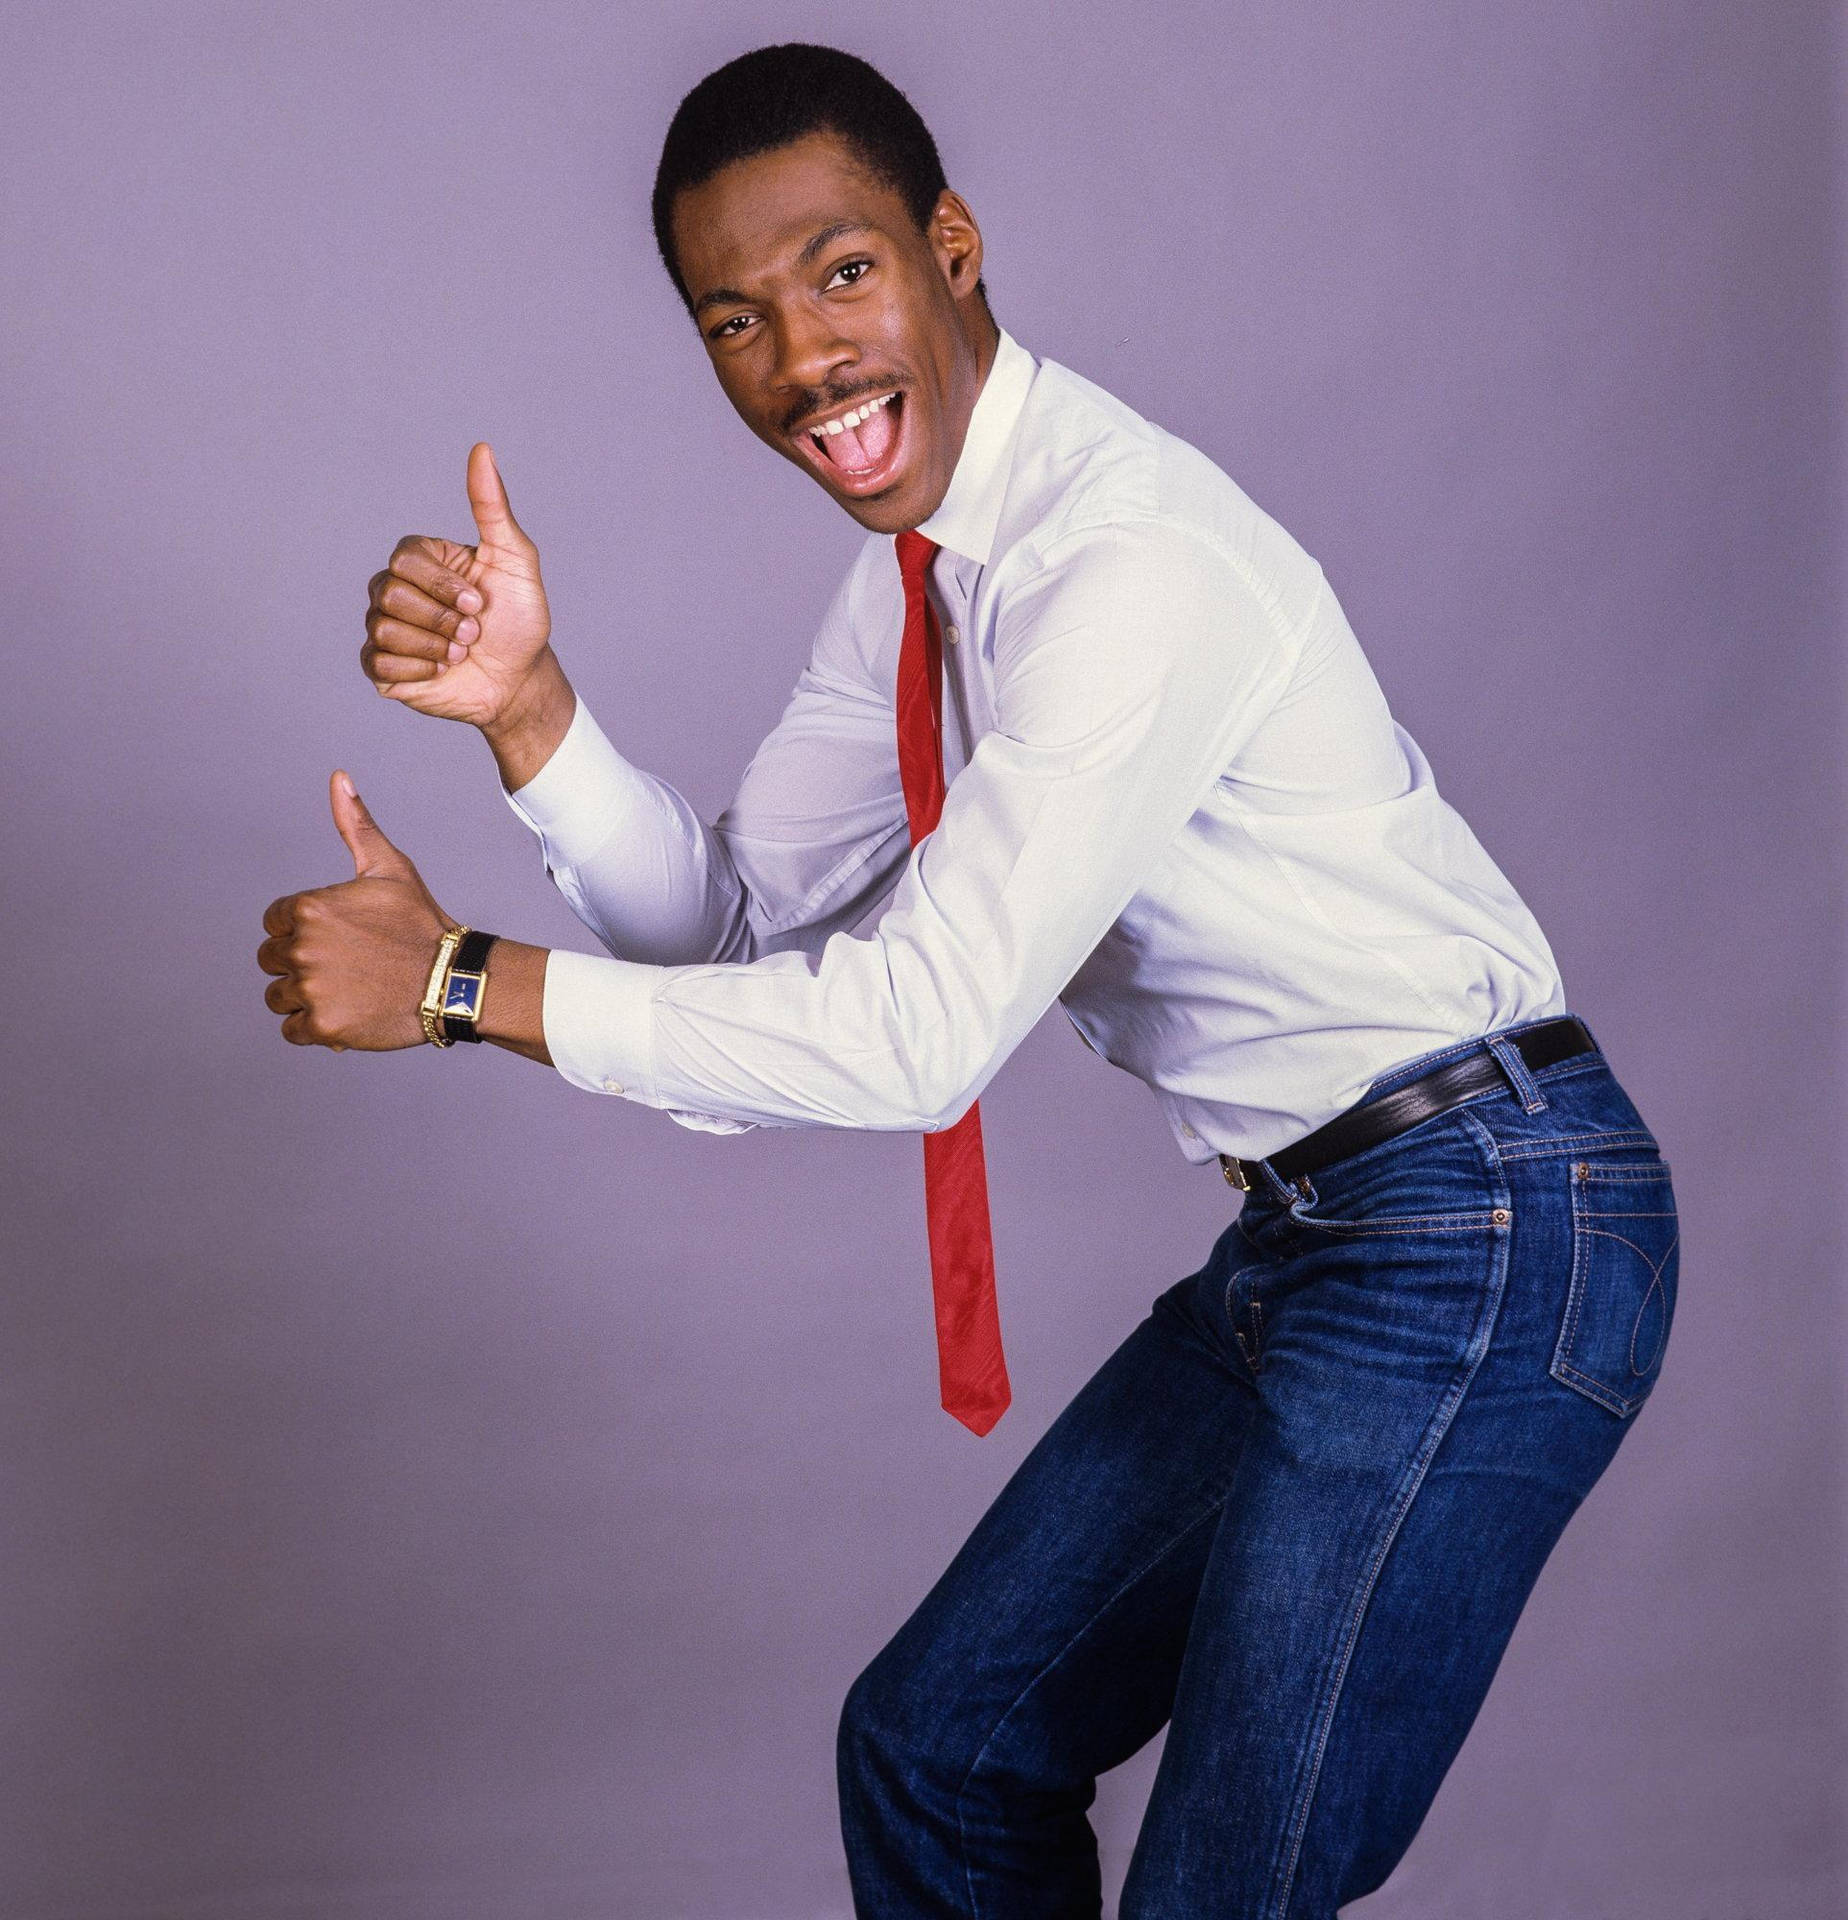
[814,832]
[1130,664]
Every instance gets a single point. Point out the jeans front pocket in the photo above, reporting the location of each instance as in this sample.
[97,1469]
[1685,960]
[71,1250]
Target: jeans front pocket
[1433,1179]
[1621,1300]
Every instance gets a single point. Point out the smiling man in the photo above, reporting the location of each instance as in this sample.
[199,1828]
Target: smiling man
[1082,725]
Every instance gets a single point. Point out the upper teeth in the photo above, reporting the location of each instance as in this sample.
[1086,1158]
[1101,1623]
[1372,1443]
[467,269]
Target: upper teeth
[853,418]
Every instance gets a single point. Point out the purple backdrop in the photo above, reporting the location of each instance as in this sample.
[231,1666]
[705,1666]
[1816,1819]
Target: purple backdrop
[427,1491]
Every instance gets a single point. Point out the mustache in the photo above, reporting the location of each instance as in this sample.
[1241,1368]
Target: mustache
[826,400]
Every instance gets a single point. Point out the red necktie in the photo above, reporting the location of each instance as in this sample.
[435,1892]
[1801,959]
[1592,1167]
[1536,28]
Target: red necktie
[970,1366]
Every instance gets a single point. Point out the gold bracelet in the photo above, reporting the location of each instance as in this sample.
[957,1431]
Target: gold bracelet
[429,1010]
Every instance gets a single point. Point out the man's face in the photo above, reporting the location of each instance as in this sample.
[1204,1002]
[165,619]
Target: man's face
[820,301]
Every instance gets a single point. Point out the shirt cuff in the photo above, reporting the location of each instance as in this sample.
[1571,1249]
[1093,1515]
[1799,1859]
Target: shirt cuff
[582,794]
[598,1018]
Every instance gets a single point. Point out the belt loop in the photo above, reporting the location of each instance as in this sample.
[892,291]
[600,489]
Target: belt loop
[1286,1191]
[1508,1057]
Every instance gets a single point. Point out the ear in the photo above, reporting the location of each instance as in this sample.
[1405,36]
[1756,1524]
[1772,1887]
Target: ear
[957,242]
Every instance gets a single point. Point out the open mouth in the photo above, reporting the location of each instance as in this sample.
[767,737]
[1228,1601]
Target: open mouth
[858,448]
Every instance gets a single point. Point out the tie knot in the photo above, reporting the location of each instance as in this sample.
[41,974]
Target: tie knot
[914,554]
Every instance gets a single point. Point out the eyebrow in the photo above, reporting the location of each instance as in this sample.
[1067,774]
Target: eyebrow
[730,296]
[827,235]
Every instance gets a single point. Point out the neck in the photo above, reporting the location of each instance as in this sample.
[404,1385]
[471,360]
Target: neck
[984,336]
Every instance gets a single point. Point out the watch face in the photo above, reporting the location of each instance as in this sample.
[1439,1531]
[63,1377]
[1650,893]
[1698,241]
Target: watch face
[463,996]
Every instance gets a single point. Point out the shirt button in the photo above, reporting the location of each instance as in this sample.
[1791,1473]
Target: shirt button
[612,1086]
[952,633]
[1187,1132]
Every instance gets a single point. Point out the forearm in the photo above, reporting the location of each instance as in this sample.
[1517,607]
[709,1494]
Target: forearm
[630,855]
[513,1006]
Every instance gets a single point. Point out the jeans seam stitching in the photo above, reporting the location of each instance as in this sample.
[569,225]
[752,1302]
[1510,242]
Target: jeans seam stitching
[1442,1420]
[1249,1355]
[1561,1143]
[1408,1223]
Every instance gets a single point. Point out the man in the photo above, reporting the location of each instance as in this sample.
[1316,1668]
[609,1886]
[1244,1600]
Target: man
[1296,1514]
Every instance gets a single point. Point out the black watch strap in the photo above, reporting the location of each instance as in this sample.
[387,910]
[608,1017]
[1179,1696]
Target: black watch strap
[464,994]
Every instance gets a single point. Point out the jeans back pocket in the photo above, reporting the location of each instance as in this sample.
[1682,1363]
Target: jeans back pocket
[1621,1302]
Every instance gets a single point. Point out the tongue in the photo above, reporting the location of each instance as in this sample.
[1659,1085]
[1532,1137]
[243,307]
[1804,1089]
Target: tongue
[857,448]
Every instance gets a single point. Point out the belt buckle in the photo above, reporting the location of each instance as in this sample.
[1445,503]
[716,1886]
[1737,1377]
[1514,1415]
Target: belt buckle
[1234,1173]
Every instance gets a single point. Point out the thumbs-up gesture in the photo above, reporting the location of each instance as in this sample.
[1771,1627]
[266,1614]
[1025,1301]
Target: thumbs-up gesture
[457,631]
[351,960]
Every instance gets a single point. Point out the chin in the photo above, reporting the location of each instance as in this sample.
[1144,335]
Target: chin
[892,513]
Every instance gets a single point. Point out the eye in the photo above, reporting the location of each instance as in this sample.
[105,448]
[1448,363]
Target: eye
[858,269]
[725,329]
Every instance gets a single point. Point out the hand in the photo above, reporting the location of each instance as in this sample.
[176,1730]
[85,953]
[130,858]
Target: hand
[457,631]
[352,960]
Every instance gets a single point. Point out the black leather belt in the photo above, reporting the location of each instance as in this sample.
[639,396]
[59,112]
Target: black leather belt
[1422,1099]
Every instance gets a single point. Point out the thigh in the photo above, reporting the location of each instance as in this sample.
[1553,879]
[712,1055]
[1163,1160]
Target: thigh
[1048,1649]
[1413,1461]
[1368,1316]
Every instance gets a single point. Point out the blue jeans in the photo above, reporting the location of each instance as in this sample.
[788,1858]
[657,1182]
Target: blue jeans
[1295,1516]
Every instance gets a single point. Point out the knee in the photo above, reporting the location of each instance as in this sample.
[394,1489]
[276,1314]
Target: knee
[894,1727]
[939,1778]
[874,1733]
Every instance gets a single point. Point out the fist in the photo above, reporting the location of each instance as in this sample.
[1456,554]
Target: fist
[351,961]
[454,631]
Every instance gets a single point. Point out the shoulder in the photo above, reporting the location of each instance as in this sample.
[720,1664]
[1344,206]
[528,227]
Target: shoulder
[1099,489]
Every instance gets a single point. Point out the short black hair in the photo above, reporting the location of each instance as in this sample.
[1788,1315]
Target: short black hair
[774,95]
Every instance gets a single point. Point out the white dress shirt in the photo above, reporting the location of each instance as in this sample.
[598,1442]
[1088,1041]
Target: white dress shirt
[1176,803]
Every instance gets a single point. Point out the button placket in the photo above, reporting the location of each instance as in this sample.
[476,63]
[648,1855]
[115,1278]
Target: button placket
[974,670]
[960,730]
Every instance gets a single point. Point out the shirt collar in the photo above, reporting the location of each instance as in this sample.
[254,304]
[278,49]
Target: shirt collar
[970,511]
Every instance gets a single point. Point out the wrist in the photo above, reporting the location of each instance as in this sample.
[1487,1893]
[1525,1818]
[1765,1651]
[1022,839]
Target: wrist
[525,734]
[514,1014]
[483,987]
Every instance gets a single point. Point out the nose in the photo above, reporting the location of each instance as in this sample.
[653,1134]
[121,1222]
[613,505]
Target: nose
[809,352]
